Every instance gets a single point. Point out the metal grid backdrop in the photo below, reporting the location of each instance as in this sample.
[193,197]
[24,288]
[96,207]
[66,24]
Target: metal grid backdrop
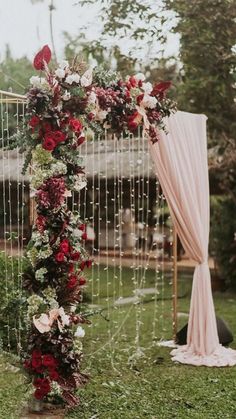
[122,204]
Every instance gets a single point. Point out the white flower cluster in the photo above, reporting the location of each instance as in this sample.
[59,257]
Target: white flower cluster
[78,182]
[50,295]
[40,239]
[39,274]
[44,253]
[38,82]
[64,72]
[58,168]
[34,302]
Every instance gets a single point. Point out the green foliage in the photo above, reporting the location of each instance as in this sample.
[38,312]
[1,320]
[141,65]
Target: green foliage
[223,237]
[207,37]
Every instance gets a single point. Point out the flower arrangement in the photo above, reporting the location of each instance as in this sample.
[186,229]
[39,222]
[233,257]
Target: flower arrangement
[61,107]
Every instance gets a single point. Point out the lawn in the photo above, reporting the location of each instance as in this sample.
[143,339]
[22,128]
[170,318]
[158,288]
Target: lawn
[124,384]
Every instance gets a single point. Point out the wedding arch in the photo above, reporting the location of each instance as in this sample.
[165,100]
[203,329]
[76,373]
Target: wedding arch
[61,108]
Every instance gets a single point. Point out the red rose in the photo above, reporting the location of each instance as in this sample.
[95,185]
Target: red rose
[73,281]
[34,121]
[60,257]
[82,227]
[160,88]
[47,126]
[39,394]
[36,359]
[65,246]
[80,140]
[49,144]
[88,263]
[49,361]
[132,125]
[82,281]
[75,125]
[84,236]
[53,374]
[75,256]
[37,382]
[59,136]
[82,265]
[45,385]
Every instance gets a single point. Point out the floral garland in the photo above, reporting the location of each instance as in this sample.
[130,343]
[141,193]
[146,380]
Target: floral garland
[61,108]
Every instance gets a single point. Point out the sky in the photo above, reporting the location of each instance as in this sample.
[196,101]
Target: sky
[25,26]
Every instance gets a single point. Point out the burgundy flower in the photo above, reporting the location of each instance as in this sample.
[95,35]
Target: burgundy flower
[49,361]
[82,227]
[34,121]
[47,126]
[75,125]
[75,256]
[73,281]
[40,223]
[36,361]
[82,265]
[39,394]
[59,136]
[80,140]
[89,263]
[139,98]
[52,193]
[49,144]
[133,81]
[84,236]
[65,246]
[53,374]
[82,281]
[60,257]
[71,268]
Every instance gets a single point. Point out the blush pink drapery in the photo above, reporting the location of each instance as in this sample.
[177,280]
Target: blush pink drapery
[180,159]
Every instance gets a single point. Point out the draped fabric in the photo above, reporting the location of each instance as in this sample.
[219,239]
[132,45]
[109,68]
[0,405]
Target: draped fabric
[180,159]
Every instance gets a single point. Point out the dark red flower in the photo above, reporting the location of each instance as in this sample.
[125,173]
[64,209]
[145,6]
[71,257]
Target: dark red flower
[133,81]
[34,121]
[60,257]
[75,125]
[47,126]
[91,116]
[75,256]
[36,359]
[59,136]
[139,98]
[42,57]
[49,361]
[89,263]
[65,246]
[160,88]
[37,382]
[82,281]
[71,268]
[80,140]
[82,227]
[84,236]
[40,223]
[53,374]
[82,265]
[49,144]
[39,394]
[73,281]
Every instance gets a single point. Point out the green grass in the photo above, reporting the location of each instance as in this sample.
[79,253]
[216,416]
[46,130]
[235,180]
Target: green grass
[152,386]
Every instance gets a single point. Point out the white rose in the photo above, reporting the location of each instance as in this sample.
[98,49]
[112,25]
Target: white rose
[64,317]
[37,81]
[147,87]
[60,73]
[140,76]
[87,78]
[69,79]
[80,332]
[149,101]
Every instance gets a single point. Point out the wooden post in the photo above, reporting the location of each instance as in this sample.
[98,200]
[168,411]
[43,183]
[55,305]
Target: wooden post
[175,284]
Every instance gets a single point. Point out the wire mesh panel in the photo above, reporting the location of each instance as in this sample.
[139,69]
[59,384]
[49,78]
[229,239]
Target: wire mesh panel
[14,203]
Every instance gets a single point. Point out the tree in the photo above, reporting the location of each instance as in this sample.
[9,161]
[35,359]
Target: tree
[207,32]
[15,74]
